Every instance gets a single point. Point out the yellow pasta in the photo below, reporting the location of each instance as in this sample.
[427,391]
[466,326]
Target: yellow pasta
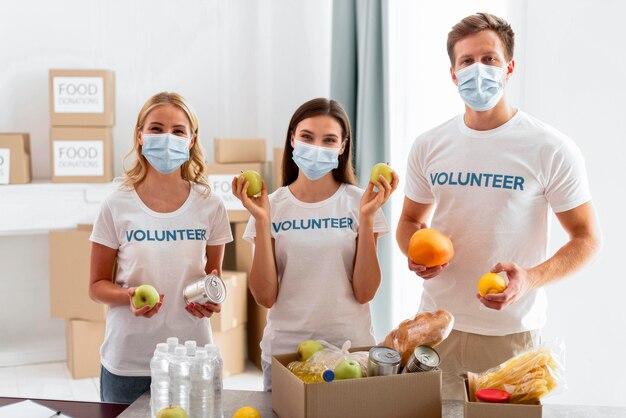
[527,377]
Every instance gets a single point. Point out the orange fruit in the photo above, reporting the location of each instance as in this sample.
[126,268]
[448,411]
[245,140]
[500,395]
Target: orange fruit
[429,247]
[491,283]
[247,412]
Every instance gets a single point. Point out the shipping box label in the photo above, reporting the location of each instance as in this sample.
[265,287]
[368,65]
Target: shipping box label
[78,158]
[78,94]
[221,185]
[5,165]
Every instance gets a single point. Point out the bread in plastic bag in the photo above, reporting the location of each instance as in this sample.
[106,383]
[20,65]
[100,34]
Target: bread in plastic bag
[425,328]
[330,356]
[529,376]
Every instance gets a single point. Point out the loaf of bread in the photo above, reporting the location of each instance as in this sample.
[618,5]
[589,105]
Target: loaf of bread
[426,328]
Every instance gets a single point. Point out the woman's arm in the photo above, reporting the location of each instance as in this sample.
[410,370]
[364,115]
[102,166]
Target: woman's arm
[366,275]
[263,275]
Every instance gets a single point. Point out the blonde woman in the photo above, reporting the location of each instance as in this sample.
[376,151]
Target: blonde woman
[165,228]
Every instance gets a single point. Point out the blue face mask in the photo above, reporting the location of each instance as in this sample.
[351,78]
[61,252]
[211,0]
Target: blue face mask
[315,162]
[481,86]
[165,152]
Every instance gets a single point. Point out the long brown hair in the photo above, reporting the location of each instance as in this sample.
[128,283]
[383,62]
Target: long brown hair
[344,173]
[194,170]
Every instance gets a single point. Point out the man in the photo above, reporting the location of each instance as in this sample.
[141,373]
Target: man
[489,177]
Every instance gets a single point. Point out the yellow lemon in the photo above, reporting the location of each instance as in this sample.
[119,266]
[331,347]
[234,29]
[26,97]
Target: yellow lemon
[247,412]
[491,283]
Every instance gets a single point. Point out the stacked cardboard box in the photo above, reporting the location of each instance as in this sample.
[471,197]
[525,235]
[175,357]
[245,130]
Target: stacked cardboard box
[69,299]
[82,113]
[15,158]
[232,156]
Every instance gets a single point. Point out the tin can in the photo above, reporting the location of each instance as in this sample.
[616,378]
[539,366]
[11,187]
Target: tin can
[383,361]
[423,359]
[208,289]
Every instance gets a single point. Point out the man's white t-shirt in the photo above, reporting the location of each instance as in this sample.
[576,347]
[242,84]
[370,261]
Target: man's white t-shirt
[493,191]
[315,246]
[166,250]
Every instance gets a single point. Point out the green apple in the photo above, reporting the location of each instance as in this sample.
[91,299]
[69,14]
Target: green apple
[307,348]
[172,412]
[146,295]
[255,180]
[348,369]
[381,169]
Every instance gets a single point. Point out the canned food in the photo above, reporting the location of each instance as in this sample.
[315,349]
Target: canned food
[423,359]
[383,361]
[209,289]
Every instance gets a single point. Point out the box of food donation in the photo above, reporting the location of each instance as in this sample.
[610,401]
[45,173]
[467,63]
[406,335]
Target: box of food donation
[257,318]
[82,97]
[70,253]
[81,155]
[84,339]
[220,180]
[235,308]
[239,150]
[232,349]
[278,167]
[238,254]
[15,158]
[476,409]
[407,395]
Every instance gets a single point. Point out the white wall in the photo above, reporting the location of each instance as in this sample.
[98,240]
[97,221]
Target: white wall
[244,65]
[568,74]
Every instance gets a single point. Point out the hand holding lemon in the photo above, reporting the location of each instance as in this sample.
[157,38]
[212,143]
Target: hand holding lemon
[491,283]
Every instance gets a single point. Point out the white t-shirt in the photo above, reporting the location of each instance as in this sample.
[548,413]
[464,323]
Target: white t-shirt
[493,191]
[166,250]
[315,245]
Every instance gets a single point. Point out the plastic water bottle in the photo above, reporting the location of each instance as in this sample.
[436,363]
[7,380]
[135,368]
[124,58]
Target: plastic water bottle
[180,383]
[159,371]
[201,396]
[190,346]
[215,360]
[172,343]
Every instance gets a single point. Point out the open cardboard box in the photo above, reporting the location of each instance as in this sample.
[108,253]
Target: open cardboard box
[408,395]
[476,409]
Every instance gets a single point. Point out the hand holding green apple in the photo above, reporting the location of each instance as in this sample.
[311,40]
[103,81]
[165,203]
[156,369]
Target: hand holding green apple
[145,300]
[381,169]
[386,181]
[251,190]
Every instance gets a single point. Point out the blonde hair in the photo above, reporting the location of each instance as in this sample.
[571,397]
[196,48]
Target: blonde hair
[194,170]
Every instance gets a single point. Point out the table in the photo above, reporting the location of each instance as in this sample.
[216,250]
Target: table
[234,399]
[76,409]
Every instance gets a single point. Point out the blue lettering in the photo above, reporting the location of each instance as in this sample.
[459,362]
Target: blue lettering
[433,177]
[171,235]
[440,177]
[476,179]
[487,177]
[150,237]
[334,222]
[203,236]
[286,225]
[181,234]
[197,233]
[350,220]
[519,181]
[326,222]
[276,226]
[308,224]
[317,224]
[137,235]
[508,180]
[189,234]
[452,183]
[156,235]
[343,223]
[129,235]
[497,181]
[467,179]
[295,224]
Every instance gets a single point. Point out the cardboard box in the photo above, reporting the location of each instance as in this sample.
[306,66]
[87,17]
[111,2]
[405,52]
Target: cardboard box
[257,319]
[220,181]
[70,253]
[407,395]
[474,409]
[278,167]
[82,97]
[84,339]
[238,254]
[15,158]
[235,308]
[81,155]
[239,150]
[232,349]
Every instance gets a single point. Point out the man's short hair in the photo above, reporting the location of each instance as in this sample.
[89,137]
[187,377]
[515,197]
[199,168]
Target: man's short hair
[477,23]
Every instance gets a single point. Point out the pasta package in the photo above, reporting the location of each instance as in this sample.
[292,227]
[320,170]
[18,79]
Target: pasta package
[425,328]
[528,376]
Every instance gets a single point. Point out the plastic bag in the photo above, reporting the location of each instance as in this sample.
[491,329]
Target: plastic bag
[331,356]
[425,328]
[529,376]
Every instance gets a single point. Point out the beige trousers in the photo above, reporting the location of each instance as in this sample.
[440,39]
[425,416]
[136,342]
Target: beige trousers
[462,352]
